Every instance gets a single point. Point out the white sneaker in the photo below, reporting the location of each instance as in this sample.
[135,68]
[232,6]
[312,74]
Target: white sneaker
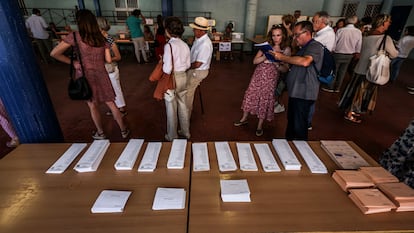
[279,108]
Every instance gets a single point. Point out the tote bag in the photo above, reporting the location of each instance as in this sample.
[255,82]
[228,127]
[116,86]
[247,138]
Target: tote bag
[379,65]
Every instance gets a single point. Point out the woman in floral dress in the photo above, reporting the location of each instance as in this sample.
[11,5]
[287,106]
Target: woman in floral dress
[259,97]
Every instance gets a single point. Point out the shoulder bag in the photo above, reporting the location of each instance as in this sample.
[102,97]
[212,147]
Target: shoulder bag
[78,88]
[379,65]
[165,81]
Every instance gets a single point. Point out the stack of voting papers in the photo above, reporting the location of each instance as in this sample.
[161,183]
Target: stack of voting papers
[150,158]
[225,158]
[379,175]
[129,155]
[66,159]
[286,155]
[111,201]
[169,199]
[93,156]
[246,158]
[177,154]
[371,201]
[347,179]
[200,157]
[343,154]
[401,194]
[235,191]
[266,157]
[311,159]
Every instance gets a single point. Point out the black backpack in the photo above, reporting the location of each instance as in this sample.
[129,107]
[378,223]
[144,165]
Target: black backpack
[327,73]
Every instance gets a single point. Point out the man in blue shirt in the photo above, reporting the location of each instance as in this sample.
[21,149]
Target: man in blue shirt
[134,22]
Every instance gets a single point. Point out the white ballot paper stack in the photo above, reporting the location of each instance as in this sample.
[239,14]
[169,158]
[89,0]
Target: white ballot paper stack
[177,154]
[129,155]
[267,159]
[169,199]
[93,156]
[110,201]
[246,158]
[311,159]
[235,191]
[286,155]
[200,157]
[150,158]
[225,158]
[66,159]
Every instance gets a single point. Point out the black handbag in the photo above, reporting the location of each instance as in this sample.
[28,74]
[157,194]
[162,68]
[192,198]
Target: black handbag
[78,88]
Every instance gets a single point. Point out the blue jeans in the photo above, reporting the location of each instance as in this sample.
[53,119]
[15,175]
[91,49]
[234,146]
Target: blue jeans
[297,114]
[395,67]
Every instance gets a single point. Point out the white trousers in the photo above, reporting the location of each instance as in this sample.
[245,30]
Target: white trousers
[139,46]
[116,85]
[194,78]
[176,108]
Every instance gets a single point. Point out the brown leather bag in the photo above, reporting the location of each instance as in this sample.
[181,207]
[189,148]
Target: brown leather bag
[165,81]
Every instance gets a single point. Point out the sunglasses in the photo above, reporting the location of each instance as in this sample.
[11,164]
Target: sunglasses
[274,26]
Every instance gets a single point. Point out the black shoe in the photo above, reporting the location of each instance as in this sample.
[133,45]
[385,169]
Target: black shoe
[240,123]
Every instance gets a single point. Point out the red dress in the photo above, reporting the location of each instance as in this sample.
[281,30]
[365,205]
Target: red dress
[259,98]
[93,61]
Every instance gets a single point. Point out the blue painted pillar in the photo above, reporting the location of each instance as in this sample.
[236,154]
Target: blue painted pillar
[334,7]
[386,6]
[98,11]
[167,9]
[22,86]
[81,4]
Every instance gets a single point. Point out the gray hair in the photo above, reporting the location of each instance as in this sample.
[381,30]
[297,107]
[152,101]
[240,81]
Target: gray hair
[352,19]
[323,16]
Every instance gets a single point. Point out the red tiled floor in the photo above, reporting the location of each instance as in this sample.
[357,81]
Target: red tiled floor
[222,95]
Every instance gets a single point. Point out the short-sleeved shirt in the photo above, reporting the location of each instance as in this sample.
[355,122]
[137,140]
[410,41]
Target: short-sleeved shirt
[37,26]
[302,82]
[202,51]
[134,25]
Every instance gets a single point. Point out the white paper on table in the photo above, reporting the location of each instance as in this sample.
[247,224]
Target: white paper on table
[110,201]
[177,154]
[66,159]
[169,199]
[150,157]
[286,155]
[225,158]
[129,155]
[235,190]
[93,156]
[200,157]
[246,158]
[267,159]
[311,159]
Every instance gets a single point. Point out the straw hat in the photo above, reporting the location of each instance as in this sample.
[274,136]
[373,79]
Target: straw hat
[200,23]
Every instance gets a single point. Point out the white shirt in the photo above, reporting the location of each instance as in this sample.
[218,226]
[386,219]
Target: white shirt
[37,26]
[326,36]
[348,40]
[202,51]
[181,53]
[405,45]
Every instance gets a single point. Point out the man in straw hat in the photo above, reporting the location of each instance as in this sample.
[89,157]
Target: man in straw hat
[201,53]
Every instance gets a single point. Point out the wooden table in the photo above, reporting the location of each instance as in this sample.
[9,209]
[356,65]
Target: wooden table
[288,201]
[33,201]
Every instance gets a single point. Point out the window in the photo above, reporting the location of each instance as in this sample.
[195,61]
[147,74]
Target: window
[349,9]
[372,9]
[124,7]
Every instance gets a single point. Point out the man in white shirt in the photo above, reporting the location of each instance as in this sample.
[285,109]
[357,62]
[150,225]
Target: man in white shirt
[326,36]
[405,45]
[347,44]
[37,26]
[201,53]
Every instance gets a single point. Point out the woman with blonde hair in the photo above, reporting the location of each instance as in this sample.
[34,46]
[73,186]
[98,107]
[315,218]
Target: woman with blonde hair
[94,51]
[360,95]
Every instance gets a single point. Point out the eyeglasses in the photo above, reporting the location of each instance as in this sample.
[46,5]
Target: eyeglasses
[274,26]
[298,34]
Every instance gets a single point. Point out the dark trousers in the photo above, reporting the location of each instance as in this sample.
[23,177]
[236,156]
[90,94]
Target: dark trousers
[297,114]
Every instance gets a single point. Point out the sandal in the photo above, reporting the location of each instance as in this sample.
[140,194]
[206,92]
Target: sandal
[353,119]
[355,114]
[240,123]
[125,133]
[98,136]
[259,132]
